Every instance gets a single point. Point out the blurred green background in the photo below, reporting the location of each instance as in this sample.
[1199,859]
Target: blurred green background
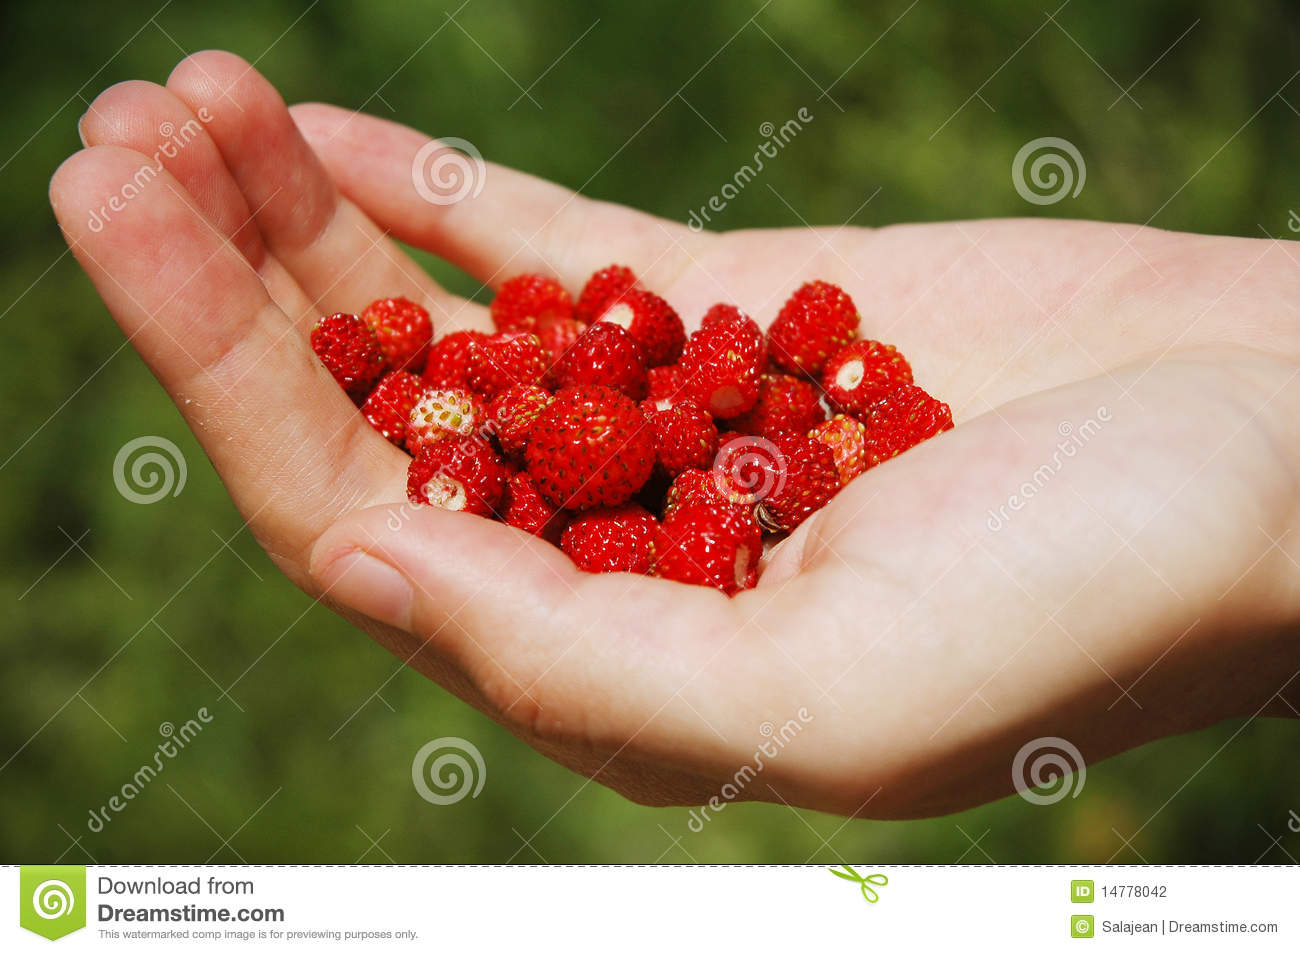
[106,639]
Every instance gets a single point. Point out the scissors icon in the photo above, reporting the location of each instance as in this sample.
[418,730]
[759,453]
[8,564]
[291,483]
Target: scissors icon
[865,883]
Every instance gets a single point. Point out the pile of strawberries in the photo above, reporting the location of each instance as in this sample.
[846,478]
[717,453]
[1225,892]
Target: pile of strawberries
[598,425]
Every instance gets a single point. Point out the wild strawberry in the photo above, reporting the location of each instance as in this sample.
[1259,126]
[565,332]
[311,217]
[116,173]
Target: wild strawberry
[449,358]
[861,373]
[847,440]
[512,413]
[666,382]
[709,545]
[463,474]
[601,290]
[524,301]
[525,508]
[404,332]
[818,320]
[498,361]
[590,448]
[722,363]
[786,404]
[605,355]
[684,434]
[556,338]
[902,419]
[807,484]
[651,322]
[611,539]
[698,486]
[388,406]
[747,468]
[349,349]
[443,414]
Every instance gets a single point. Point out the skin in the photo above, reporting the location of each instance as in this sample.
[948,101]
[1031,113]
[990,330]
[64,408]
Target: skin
[1147,584]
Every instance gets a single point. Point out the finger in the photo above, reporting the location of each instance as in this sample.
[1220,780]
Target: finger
[287,442]
[339,257]
[150,120]
[497,222]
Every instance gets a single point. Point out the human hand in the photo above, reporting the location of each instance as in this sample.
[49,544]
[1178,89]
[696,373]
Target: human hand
[926,625]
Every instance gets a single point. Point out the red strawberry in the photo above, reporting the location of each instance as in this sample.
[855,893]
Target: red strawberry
[605,355]
[807,484]
[449,358]
[499,361]
[349,349]
[785,404]
[556,338]
[524,301]
[747,468]
[463,474]
[590,448]
[443,414]
[666,381]
[902,419]
[523,507]
[601,290]
[863,372]
[709,545]
[512,413]
[847,440]
[698,486]
[818,320]
[684,434]
[388,407]
[651,322]
[404,332]
[722,363]
[611,539]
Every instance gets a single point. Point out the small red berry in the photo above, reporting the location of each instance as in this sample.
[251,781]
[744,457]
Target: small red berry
[388,407]
[591,447]
[807,484]
[902,419]
[349,349]
[449,358]
[463,474]
[818,320]
[684,433]
[666,382]
[611,539]
[601,290]
[442,414]
[499,361]
[710,546]
[651,322]
[698,486]
[723,362]
[863,372]
[404,332]
[608,356]
[512,413]
[847,440]
[785,404]
[525,508]
[525,301]
[556,338]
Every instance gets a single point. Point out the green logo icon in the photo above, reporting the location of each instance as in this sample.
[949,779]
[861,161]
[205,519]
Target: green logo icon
[1081,892]
[864,882]
[1081,925]
[52,899]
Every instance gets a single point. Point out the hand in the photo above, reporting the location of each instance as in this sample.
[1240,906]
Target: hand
[1099,551]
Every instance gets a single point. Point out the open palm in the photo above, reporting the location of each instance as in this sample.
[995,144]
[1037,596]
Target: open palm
[1098,552]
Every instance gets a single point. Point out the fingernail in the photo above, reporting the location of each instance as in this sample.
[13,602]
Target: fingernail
[370,586]
[81,133]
